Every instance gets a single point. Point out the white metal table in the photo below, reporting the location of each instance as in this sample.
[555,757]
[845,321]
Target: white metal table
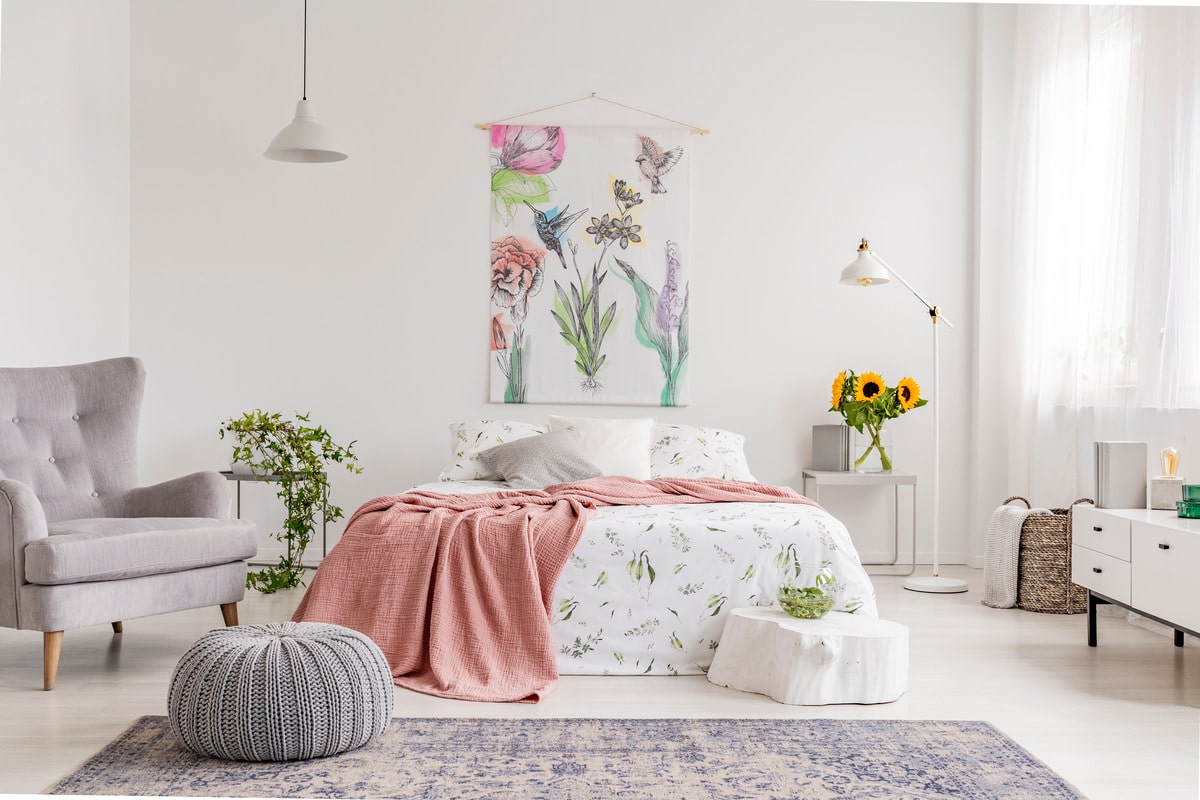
[821,478]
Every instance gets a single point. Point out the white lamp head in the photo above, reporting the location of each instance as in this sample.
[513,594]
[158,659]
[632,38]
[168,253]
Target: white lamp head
[304,140]
[866,269]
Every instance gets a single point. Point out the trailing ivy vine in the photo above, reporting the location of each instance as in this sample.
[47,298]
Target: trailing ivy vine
[296,455]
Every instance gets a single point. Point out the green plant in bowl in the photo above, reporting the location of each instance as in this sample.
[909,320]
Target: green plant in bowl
[809,602]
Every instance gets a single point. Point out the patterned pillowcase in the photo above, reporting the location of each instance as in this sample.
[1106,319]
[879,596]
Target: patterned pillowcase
[685,451]
[469,439]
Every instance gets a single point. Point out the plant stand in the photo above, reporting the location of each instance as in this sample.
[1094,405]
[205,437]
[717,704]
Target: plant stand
[239,479]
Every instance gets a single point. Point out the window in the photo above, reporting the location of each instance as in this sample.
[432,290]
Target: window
[1108,203]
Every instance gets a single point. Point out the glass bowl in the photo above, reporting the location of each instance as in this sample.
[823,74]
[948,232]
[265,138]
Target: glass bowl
[809,602]
[1188,508]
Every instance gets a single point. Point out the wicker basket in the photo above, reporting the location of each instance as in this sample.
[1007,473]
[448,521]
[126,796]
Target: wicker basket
[1044,565]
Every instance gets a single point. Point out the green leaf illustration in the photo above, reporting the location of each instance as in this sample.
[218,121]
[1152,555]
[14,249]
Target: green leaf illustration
[510,189]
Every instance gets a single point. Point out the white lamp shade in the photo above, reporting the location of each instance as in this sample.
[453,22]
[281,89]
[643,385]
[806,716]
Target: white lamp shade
[304,140]
[866,270]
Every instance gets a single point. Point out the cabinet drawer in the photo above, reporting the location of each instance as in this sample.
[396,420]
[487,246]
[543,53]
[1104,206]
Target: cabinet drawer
[1100,572]
[1104,533]
[1165,565]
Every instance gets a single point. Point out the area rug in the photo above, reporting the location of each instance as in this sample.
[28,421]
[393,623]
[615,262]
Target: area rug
[581,759]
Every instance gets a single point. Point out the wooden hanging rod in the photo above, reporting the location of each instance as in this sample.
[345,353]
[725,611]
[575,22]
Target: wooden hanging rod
[484,126]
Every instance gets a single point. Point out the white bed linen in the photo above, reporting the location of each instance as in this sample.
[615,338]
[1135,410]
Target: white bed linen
[648,587]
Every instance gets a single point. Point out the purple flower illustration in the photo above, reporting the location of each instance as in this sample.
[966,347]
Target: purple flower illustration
[662,318]
[670,304]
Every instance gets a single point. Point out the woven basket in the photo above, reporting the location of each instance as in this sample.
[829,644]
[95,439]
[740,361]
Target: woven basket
[1044,565]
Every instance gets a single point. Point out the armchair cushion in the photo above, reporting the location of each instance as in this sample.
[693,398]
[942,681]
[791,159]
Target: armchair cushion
[109,549]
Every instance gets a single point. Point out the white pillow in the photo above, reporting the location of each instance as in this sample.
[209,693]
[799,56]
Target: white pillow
[469,439]
[615,446]
[685,451]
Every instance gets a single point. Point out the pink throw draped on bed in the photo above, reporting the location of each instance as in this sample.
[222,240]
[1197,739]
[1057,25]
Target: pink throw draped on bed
[456,589]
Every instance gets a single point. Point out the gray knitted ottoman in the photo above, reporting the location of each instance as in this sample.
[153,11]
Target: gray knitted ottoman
[280,692]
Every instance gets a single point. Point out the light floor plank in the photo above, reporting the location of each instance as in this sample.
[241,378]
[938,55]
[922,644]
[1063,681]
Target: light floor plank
[1119,721]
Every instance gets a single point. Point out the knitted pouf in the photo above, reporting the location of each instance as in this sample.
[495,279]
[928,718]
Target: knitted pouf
[280,692]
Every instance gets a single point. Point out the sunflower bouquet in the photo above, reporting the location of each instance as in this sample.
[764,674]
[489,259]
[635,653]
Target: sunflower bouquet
[866,402]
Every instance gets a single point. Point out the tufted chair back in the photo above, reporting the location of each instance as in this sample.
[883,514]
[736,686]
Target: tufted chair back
[70,434]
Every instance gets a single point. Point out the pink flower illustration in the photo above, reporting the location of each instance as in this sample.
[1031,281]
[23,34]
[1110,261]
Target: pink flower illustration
[516,274]
[527,149]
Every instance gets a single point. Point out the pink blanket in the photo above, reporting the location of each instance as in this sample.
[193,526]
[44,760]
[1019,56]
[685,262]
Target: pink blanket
[456,589]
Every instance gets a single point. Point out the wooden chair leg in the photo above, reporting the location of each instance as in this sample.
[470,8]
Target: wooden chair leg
[229,612]
[51,649]
[118,627]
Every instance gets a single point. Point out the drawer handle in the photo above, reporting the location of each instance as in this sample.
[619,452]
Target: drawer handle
[1097,528]
[1097,570]
[1162,546]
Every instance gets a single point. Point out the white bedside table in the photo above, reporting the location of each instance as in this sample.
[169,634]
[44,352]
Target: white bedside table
[819,478]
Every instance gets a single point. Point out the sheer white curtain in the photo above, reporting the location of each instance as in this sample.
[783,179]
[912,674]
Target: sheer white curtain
[1094,276]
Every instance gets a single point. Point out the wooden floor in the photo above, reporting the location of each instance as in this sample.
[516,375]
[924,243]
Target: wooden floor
[1120,721]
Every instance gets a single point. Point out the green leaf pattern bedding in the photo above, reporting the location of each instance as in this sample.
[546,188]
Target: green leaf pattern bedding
[648,587]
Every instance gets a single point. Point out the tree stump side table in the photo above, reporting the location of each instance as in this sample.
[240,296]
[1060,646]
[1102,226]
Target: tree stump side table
[840,658]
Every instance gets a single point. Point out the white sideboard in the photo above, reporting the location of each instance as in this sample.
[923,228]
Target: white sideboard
[1139,559]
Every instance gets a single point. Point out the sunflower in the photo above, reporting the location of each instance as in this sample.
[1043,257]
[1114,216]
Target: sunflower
[870,386]
[908,393]
[839,383]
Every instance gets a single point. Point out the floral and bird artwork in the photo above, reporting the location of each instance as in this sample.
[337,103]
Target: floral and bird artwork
[590,288]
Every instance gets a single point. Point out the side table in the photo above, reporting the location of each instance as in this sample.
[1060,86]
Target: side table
[240,478]
[820,478]
[839,658]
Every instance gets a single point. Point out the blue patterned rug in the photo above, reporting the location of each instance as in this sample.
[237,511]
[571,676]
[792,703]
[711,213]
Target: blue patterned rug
[581,759]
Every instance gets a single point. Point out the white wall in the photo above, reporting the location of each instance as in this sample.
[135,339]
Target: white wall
[64,181]
[357,291]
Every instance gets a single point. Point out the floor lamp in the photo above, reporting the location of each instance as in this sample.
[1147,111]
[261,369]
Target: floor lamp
[869,269]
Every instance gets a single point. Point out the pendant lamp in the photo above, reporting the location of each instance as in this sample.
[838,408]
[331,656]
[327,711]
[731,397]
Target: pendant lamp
[304,140]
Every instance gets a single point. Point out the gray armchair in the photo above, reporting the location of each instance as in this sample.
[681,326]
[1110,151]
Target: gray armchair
[79,544]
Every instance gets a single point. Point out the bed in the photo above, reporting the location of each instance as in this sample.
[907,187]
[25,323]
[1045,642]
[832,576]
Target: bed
[647,588]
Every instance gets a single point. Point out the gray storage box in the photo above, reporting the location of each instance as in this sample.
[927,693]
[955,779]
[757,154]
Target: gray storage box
[831,448]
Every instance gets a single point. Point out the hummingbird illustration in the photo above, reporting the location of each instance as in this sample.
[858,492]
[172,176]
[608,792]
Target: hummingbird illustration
[654,163]
[550,229]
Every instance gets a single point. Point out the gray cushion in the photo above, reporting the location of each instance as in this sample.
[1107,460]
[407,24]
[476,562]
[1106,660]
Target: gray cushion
[104,549]
[536,462]
[280,692]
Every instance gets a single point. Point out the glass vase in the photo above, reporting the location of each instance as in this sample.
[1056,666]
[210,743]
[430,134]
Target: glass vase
[871,451]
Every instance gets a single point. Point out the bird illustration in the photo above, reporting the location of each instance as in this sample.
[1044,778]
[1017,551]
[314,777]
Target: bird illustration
[654,163]
[552,226]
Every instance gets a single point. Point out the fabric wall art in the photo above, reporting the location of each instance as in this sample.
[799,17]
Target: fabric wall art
[590,275]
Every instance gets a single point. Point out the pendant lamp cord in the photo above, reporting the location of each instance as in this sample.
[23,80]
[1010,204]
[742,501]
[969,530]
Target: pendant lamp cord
[304,76]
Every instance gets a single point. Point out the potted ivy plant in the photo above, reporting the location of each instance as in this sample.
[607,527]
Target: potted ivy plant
[296,456]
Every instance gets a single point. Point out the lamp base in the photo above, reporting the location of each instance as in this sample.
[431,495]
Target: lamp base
[935,584]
